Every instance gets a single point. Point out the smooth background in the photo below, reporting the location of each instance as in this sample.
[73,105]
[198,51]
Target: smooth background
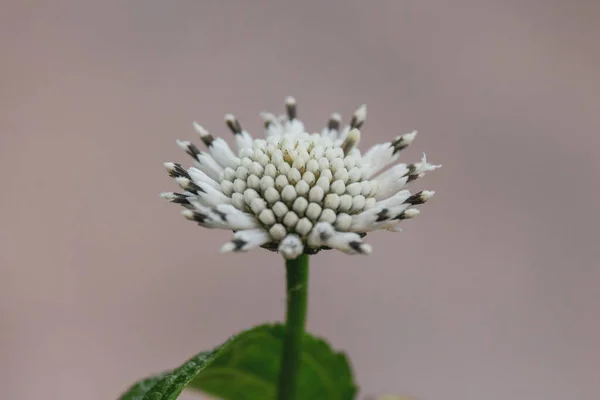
[491,294]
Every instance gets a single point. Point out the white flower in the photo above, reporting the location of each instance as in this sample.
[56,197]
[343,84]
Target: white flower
[296,192]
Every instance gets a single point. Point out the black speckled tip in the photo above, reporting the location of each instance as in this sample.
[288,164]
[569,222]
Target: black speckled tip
[273,247]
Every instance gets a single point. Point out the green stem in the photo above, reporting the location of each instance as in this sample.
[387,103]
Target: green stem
[297,289]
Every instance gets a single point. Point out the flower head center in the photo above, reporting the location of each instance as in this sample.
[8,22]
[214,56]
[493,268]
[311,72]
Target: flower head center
[291,182]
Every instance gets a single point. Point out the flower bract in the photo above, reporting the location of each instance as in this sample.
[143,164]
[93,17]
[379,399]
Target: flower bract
[297,192]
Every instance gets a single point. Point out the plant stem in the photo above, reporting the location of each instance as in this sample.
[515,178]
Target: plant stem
[297,289]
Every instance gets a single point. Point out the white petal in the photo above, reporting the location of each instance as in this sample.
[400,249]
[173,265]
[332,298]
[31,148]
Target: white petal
[293,127]
[246,240]
[209,166]
[242,138]
[205,136]
[277,232]
[222,154]
[177,198]
[323,234]
[272,125]
[210,196]
[376,217]
[188,147]
[199,176]
[380,159]
[233,218]
[390,187]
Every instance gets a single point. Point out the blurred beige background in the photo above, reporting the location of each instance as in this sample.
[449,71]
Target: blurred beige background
[491,294]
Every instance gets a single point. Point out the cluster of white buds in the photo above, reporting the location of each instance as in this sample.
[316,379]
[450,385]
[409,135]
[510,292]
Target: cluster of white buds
[296,192]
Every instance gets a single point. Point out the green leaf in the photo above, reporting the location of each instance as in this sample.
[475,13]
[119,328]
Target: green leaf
[246,367]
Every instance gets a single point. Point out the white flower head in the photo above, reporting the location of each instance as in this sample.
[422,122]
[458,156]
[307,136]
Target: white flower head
[296,192]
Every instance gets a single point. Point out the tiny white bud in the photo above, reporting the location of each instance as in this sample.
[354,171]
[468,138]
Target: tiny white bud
[271,195]
[267,217]
[294,176]
[257,205]
[288,194]
[239,186]
[249,195]
[283,168]
[277,157]
[304,226]
[258,150]
[291,219]
[270,170]
[358,203]
[354,174]
[242,172]
[345,202]
[326,173]
[263,160]
[324,183]
[266,182]
[353,189]
[280,209]
[303,153]
[332,201]
[316,194]
[349,162]
[337,164]
[256,168]
[298,163]
[317,152]
[341,174]
[330,154]
[281,181]
[328,215]
[343,222]
[323,164]
[338,187]
[313,211]
[300,205]
[365,188]
[277,232]
[227,187]
[253,182]
[312,165]
[309,177]
[229,174]
[302,188]
[247,163]
[338,153]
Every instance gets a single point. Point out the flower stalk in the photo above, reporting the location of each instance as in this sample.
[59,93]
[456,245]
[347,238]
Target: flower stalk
[297,300]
